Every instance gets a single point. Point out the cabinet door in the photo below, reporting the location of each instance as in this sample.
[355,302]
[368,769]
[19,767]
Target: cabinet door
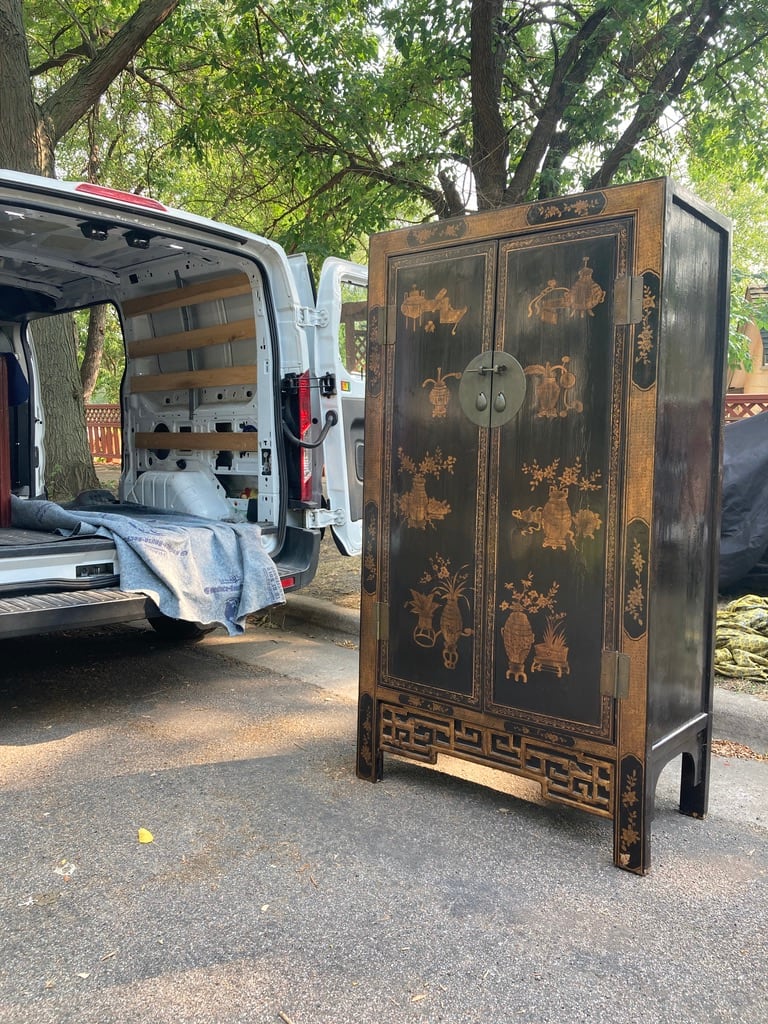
[440,315]
[555,479]
[498,561]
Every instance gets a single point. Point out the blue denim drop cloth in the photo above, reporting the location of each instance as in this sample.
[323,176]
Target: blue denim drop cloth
[193,568]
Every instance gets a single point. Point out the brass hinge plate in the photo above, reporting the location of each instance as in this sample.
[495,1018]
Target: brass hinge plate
[382,620]
[614,674]
[627,300]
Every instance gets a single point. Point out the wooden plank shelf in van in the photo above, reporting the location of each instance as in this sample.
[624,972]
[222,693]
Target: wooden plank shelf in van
[201,337]
[227,376]
[181,441]
[191,295]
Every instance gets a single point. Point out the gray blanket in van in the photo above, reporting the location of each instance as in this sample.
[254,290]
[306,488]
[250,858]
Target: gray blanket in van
[192,568]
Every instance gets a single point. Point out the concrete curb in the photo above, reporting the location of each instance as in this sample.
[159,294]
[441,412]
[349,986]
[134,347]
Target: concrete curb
[323,613]
[739,717]
[742,718]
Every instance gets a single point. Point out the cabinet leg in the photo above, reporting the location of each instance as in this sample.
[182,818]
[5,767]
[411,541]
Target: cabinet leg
[694,779]
[632,817]
[369,756]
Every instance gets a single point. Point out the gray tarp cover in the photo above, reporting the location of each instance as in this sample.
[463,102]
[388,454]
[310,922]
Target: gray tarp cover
[193,568]
[744,525]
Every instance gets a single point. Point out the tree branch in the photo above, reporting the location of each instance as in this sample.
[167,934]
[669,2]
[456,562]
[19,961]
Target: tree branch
[584,49]
[85,49]
[666,86]
[490,146]
[64,108]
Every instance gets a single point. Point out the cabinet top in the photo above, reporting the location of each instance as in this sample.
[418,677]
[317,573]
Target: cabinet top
[647,200]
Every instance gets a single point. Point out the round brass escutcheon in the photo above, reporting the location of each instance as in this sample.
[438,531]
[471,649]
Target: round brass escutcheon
[492,389]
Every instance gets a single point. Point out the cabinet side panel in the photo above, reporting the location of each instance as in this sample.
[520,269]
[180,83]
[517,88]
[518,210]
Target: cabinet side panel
[686,491]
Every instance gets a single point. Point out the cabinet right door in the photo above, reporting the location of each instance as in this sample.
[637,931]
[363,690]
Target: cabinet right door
[554,484]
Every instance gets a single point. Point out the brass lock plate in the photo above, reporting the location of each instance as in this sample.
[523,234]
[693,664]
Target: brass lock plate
[492,389]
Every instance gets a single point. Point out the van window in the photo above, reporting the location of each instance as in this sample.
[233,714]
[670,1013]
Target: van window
[353,326]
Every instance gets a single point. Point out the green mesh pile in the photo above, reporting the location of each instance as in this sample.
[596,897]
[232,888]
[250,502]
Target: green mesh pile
[741,638]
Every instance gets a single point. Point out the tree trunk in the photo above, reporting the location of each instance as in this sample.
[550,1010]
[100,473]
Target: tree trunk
[94,349]
[68,463]
[23,140]
[490,150]
[28,135]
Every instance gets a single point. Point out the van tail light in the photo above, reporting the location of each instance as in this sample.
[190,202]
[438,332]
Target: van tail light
[305,422]
[299,425]
[124,197]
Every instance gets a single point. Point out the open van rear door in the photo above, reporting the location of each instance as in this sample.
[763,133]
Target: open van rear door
[342,313]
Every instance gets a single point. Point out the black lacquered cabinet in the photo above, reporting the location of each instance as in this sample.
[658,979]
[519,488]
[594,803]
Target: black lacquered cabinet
[543,437]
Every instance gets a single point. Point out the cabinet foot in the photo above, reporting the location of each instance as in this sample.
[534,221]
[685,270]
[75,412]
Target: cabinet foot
[370,762]
[694,778]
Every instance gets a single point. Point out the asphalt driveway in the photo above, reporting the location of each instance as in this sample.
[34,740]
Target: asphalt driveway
[278,887]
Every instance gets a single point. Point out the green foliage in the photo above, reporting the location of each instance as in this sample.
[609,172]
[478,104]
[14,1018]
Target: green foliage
[318,122]
[727,168]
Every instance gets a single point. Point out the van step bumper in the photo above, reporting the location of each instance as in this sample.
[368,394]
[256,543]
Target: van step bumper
[42,613]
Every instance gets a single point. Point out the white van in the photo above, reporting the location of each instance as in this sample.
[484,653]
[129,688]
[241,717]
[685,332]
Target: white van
[240,386]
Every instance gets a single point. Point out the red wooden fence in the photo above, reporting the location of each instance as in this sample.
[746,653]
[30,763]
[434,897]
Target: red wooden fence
[738,407]
[104,437]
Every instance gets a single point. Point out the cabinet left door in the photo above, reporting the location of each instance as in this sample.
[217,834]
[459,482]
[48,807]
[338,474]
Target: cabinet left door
[440,316]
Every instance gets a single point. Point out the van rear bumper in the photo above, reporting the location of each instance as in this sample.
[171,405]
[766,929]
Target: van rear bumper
[43,613]
[298,559]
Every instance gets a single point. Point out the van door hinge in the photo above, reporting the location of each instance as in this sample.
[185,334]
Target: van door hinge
[308,317]
[382,621]
[319,518]
[627,300]
[614,674]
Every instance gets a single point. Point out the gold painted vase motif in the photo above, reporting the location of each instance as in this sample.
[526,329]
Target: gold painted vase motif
[415,505]
[526,603]
[552,393]
[556,519]
[439,396]
[518,640]
[450,589]
[586,293]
